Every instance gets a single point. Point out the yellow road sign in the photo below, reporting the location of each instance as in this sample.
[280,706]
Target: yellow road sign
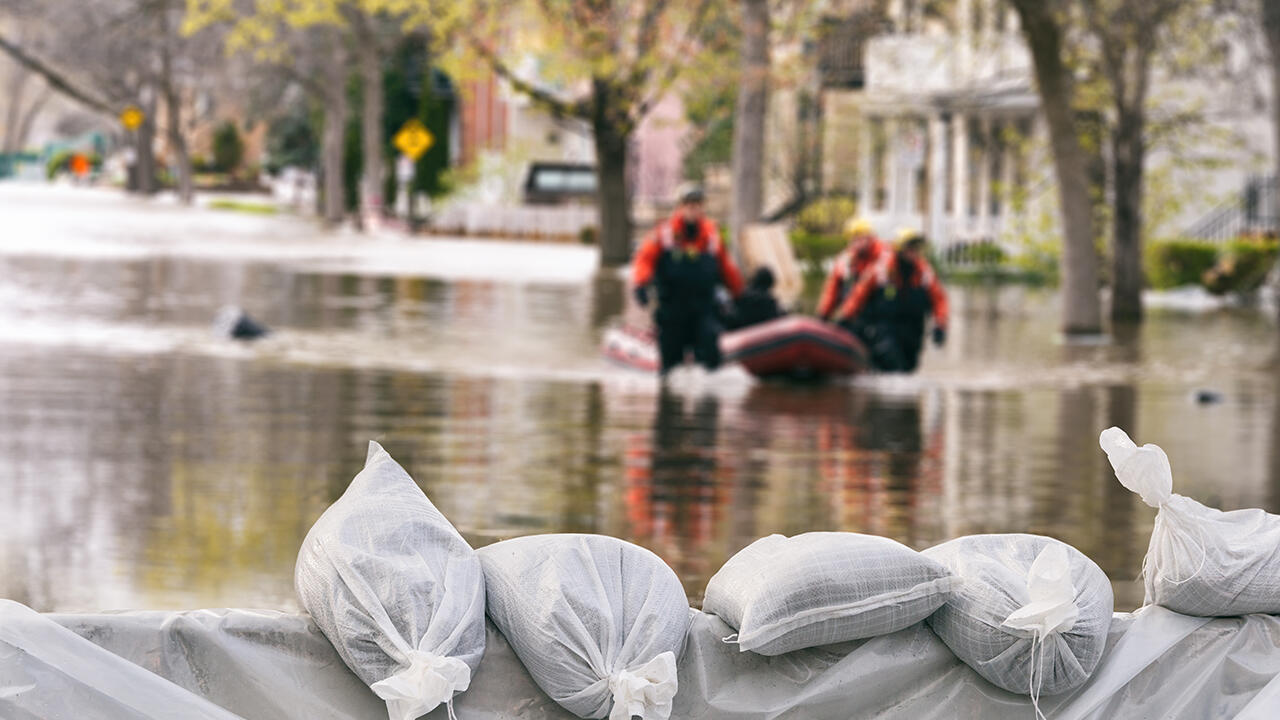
[413,139]
[131,117]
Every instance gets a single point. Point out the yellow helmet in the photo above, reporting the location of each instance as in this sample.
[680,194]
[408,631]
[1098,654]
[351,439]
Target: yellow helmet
[905,237]
[856,226]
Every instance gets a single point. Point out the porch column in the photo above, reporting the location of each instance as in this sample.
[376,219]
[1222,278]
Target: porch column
[892,186]
[1008,173]
[935,223]
[960,172]
[866,177]
[984,175]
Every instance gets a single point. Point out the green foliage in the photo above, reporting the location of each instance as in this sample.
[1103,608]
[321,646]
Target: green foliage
[244,207]
[1175,263]
[60,162]
[413,88]
[1240,266]
[818,233]
[292,140]
[710,112]
[228,147]
[1038,257]
[826,216]
[812,248]
[587,235]
[1243,266]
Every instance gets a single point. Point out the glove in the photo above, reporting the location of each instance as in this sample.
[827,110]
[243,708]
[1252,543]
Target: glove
[641,295]
[939,336]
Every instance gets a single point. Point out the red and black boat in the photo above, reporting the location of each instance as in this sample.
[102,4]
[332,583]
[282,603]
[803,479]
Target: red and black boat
[794,346]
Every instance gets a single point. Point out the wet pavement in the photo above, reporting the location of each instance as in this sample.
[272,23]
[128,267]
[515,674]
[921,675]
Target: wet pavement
[148,463]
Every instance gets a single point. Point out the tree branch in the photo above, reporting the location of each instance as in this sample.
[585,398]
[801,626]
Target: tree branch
[579,109]
[647,37]
[673,70]
[55,79]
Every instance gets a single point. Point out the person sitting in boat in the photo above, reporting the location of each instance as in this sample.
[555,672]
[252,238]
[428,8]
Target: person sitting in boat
[757,303]
[684,261]
[863,252]
[890,305]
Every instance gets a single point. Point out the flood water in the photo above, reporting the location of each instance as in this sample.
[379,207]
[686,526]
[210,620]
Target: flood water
[146,463]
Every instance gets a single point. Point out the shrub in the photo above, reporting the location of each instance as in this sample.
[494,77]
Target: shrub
[61,162]
[825,216]
[228,148]
[813,248]
[1174,263]
[1243,266]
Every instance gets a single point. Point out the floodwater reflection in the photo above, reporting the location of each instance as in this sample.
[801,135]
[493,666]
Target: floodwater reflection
[146,464]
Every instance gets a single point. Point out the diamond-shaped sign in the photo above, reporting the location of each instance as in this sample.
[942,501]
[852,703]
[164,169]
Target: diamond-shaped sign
[413,139]
[131,117]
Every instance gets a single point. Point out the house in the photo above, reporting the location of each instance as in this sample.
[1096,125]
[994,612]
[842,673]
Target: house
[931,120]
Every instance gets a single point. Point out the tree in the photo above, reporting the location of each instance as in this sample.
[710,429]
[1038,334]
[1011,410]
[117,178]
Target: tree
[1044,28]
[130,53]
[228,148]
[1271,28]
[748,129]
[1127,32]
[306,44]
[370,50]
[20,114]
[613,60]
[317,42]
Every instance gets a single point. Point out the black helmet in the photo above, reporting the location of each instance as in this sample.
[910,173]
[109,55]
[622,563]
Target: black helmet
[762,279]
[691,193]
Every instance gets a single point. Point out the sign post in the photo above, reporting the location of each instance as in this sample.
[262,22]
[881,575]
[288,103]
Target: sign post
[131,118]
[413,139]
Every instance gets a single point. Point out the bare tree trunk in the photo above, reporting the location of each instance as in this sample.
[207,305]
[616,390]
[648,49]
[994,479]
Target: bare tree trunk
[371,129]
[173,112]
[748,128]
[1271,28]
[173,108]
[1127,164]
[29,118]
[145,160]
[612,135]
[54,78]
[1081,308]
[335,122]
[16,91]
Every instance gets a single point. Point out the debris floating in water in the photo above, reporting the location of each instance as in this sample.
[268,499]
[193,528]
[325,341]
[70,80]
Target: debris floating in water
[1208,397]
[236,324]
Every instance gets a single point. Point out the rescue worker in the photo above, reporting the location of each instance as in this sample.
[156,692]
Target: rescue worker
[863,252]
[889,306]
[684,261]
[757,303]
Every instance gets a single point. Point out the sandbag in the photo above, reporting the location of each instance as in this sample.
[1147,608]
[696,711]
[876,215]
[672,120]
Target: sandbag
[1201,560]
[598,622]
[396,589]
[1030,615]
[782,594]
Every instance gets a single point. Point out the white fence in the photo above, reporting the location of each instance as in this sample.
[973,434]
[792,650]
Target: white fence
[565,221]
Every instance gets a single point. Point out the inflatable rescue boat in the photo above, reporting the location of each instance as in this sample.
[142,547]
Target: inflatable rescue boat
[794,346]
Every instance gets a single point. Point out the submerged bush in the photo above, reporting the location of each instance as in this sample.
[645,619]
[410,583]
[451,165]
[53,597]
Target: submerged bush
[1243,266]
[1174,263]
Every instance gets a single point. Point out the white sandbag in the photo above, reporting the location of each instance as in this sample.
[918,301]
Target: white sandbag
[1201,560]
[396,589]
[782,594]
[597,622]
[1031,613]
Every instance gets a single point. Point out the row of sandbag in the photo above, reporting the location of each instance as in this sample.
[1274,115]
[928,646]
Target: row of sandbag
[598,622]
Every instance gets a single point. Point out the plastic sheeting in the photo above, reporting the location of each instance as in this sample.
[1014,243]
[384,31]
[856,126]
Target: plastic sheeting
[268,665]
